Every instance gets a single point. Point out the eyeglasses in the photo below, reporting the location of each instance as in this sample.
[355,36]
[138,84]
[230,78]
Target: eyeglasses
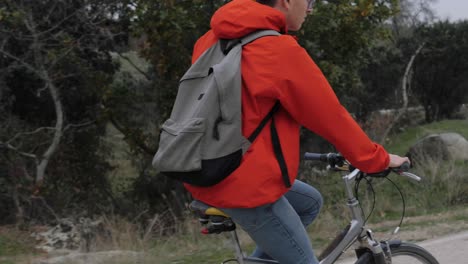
[310,4]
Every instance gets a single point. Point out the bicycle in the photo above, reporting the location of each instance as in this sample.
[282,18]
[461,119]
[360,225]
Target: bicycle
[368,250]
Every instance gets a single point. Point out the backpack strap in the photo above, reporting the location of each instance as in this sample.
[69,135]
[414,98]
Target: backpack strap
[228,44]
[275,141]
[258,34]
[279,154]
[263,123]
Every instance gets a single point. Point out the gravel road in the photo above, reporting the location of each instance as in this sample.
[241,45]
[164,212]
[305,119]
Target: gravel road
[451,249]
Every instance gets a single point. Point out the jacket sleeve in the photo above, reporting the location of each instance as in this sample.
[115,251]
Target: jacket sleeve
[308,97]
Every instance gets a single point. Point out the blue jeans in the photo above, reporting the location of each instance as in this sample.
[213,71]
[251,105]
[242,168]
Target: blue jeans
[278,228]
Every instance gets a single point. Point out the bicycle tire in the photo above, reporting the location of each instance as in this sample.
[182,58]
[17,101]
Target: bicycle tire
[403,253]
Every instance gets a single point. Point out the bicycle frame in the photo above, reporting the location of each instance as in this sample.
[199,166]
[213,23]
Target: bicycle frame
[356,227]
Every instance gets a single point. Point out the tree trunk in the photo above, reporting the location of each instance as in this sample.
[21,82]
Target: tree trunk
[42,164]
[40,69]
[405,83]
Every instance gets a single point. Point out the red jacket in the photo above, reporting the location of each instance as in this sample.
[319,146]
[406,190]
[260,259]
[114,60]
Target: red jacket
[277,68]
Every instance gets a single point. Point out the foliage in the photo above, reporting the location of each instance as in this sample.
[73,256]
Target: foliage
[339,36]
[170,32]
[54,68]
[381,77]
[440,81]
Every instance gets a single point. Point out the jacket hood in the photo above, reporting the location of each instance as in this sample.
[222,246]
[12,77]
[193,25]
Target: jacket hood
[241,17]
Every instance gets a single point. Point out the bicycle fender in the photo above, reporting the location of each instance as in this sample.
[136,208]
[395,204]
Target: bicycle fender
[391,243]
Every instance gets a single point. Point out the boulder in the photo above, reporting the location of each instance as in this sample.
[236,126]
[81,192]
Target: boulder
[443,146]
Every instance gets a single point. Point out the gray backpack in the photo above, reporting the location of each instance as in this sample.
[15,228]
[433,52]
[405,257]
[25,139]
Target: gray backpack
[202,142]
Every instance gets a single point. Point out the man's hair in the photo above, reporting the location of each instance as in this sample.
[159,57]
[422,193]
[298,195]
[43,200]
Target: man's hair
[267,2]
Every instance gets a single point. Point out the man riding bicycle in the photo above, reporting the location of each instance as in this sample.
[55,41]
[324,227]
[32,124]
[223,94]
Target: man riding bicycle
[277,68]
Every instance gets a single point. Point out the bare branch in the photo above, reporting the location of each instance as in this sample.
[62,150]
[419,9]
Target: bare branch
[57,25]
[11,147]
[45,128]
[8,145]
[29,133]
[79,125]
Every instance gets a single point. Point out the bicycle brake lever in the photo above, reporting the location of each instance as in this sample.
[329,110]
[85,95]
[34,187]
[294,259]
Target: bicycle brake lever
[411,176]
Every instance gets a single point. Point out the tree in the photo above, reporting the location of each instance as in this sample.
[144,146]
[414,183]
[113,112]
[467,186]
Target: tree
[54,67]
[440,80]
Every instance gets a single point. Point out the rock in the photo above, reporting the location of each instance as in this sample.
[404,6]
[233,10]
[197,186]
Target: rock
[70,234]
[438,147]
[62,236]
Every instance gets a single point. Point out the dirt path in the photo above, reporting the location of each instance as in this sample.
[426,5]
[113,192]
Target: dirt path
[449,249]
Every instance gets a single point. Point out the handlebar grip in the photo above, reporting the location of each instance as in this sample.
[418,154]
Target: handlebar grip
[315,156]
[403,168]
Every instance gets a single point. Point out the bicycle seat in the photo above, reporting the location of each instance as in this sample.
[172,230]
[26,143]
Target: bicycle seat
[215,220]
[201,207]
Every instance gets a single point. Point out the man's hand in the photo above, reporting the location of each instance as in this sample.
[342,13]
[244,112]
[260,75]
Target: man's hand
[397,161]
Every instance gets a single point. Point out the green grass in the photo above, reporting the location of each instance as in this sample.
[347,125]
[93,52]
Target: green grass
[15,242]
[192,248]
[400,143]
[6,262]
[10,246]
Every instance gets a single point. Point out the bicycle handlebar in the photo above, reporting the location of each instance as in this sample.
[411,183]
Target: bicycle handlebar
[337,160]
[332,159]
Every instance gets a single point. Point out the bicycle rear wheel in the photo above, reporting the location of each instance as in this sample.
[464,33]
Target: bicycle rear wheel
[404,253]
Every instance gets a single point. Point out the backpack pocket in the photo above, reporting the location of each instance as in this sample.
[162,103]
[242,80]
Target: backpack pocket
[180,146]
